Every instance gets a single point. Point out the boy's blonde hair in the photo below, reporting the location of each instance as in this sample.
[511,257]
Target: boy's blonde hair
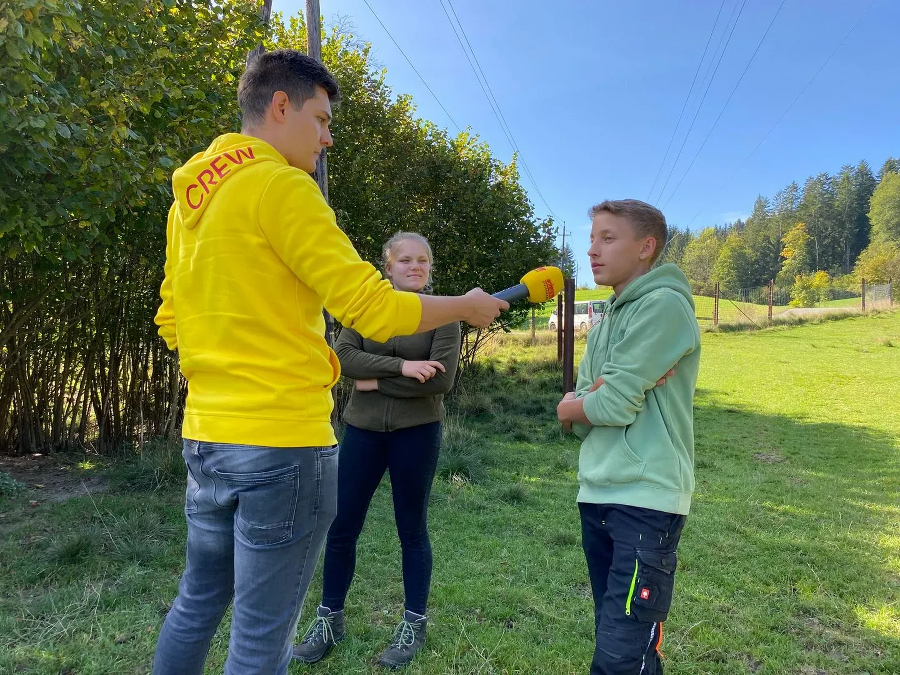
[646,220]
[390,248]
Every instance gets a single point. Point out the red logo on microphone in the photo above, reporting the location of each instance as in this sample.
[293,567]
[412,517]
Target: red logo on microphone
[548,288]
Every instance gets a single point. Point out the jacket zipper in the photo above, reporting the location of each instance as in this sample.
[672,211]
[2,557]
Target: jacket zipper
[389,406]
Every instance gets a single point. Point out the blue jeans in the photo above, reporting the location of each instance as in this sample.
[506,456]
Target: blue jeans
[256,519]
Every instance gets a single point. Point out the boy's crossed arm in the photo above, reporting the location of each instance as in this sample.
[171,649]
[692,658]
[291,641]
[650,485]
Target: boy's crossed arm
[655,340]
[578,410]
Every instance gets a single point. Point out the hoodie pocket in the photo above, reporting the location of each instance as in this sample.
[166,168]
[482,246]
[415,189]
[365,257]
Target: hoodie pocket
[614,463]
[335,368]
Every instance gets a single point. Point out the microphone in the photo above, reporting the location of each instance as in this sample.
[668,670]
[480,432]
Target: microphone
[539,285]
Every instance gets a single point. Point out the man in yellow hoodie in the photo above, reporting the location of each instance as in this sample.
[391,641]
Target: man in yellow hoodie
[253,254]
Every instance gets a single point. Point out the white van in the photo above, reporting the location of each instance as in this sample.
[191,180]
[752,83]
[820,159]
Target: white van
[587,314]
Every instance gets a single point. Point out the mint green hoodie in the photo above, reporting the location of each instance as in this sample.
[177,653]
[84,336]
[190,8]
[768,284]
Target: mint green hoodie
[640,449]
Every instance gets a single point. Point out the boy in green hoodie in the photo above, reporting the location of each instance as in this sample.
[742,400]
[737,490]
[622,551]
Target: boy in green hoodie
[636,465]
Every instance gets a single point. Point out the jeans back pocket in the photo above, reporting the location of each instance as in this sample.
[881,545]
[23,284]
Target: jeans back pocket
[266,503]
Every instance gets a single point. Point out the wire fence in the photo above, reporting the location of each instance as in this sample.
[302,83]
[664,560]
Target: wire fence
[768,303]
[759,306]
[880,296]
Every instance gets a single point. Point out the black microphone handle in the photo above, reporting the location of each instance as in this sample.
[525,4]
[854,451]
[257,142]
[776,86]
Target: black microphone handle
[518,292]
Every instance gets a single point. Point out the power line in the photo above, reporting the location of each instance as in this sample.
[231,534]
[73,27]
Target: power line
[686,99]
[697,112]
[478,79]
[722,111]
[412,66]
[489,94]
[784,114]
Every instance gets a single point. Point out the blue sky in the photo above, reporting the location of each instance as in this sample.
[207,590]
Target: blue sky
[592,91]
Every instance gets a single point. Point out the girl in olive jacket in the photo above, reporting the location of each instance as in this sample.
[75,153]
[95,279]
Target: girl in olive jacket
[393,423]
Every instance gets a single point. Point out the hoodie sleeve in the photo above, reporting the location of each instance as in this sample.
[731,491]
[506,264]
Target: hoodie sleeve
[302,230]
[445,347]
[357,364]
[659,334]
[165,316]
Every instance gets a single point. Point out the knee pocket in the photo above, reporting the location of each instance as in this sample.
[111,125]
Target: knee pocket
[620,650]
[652,585]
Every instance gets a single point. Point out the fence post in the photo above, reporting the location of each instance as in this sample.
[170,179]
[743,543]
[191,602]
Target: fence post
[864,295]
[569,338]
[532,323]
[890,292]
[716,307]
[771,296]
[559,328]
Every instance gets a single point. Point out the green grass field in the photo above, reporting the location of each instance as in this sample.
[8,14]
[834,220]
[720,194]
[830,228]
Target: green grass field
[790,562]
[730,312]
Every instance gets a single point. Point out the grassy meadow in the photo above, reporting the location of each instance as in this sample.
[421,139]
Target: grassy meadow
[790,561]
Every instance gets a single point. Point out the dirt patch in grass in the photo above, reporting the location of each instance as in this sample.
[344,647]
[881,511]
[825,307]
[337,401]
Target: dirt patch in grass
[767,457]
[53,478]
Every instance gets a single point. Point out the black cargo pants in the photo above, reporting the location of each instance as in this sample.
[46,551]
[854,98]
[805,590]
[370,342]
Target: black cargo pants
[631,559]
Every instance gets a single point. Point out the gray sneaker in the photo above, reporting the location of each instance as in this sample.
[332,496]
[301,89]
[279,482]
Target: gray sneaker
[408,638]
[324,633]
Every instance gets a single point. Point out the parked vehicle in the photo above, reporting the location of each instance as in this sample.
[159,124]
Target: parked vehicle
[587,314]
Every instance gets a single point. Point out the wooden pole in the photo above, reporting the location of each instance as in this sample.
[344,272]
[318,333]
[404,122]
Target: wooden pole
[559,328]
[532,323]
[265,13]
[771,296]
[864,295]
[314,40]
[314,50]
[716,307]
[569,338]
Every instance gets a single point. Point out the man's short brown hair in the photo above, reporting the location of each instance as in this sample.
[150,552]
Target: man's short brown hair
[646,220]
[287,70]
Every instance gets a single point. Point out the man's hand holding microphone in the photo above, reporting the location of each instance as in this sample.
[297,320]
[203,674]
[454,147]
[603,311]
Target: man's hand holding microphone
[479,309]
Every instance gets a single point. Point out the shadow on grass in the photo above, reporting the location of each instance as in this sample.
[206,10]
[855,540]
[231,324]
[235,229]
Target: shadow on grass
[792,542]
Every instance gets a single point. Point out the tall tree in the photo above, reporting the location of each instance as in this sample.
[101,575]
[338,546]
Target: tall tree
[796,254]
[891,165]
[884,213]
[785,207]
[568,263]
[732,267]
[846,204]
[817,211]
[879,262]
[676,246]
[699,260]
[762,246]
[864,187]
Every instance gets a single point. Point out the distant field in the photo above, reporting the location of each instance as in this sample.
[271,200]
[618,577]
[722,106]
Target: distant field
[729,311]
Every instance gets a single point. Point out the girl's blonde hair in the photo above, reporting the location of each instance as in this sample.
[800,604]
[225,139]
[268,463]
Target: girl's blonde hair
[390,248]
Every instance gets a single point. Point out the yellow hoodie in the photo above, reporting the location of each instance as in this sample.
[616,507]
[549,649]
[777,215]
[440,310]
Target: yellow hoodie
[253,253]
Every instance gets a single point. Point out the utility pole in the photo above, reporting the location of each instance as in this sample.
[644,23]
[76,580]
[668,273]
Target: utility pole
[562,250]
[314,50]
[265,13]
[560,330]
[314,39]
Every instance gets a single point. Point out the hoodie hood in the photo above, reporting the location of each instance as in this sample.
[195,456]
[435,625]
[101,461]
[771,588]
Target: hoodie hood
[664,276]
[197,182]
